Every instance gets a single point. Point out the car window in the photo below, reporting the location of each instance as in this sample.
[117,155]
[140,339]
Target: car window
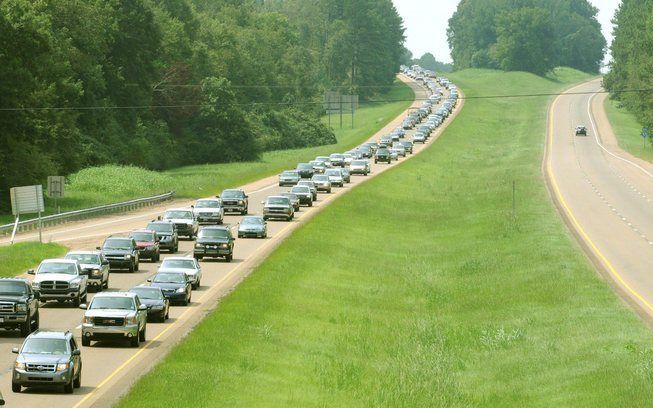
[277,200]
[84,258]
[252,221]
[207,204]
[166,277]
[142,236]
[178,215]
[231,194]
[147,293]
[178,263]
[45,346]
[124,243]
[58,267]
[13,288]
[160,227]
[122,303]
[213,233]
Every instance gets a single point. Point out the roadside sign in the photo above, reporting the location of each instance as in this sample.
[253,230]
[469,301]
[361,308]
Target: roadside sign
[27,200]
[56,186]
[644,132]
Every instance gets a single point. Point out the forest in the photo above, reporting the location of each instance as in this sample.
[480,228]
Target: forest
[631,70]
[526,35]
[165,83]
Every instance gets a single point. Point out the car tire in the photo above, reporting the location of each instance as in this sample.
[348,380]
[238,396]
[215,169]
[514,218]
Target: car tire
[176,248]
[68,388]
[15,387]
[133,342]
[77,382]
[106,283]
[141,334]
[158,257]
[76,302]
[162,318]
[132,268]
[310,204]
[229,258]
[86,342]
[37,322]
[138,266]
[25,328]
[85,298]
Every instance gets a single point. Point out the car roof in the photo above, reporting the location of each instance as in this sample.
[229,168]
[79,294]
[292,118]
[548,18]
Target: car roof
[84,253]
[144,230]
[180,209]
[247,216]
[177,258]
[208,199]
[15,280]
[216,227]
[233,189]
[50,334]
[59,260]
[114,294]
[147,287]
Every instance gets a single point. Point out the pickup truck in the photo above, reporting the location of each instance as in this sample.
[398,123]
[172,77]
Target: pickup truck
[19,306]
[61,280]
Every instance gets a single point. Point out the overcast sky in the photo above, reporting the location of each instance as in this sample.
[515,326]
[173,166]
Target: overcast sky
[426,24]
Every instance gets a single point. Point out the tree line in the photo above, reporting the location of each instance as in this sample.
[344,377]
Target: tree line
[166,83]
[426,61]
[631,74]
[526,35]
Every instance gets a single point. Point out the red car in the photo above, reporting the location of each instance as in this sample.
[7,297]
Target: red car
[147,242]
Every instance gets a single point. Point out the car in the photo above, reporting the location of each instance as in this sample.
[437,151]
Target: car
[310,184]
[147,243]
[385,141]
[318,167]
[326,160]
[359,167]
[121,252]
[114,316]
[175,286]
[399,149]
[346,174]
[366,151]
[253,226]
[190,266]
[289,178]
[214,242]
[305,170]
[337,159]
[185,221]
[278,207]
[235,200]
[158,306]
[47,358]
[294,199]
[394,154]
[209,211]
[419,138]
[348,157]
[94,265]
[60,279]
[335,177]
[304,195]
[19,306]
[322,182]
[168,238]
[581,130]
[383,155]
[408,146]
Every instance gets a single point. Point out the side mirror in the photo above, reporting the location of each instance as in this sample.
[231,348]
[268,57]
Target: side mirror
[149,279]
[31,272]
[77,352]
[246,196]
[14,350]
[83,306]
[37,295]
[262,202]
[192,206]
[105,262]
[158,218]
[98,248]
[142,307]
[83,272]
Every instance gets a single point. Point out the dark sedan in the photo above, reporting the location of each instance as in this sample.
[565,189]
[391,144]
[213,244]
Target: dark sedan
[382,155]
[294,199]
[176,286]
[158,306]
[214,242]
[304,193]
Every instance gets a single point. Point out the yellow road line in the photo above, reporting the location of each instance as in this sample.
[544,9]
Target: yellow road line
[611,269]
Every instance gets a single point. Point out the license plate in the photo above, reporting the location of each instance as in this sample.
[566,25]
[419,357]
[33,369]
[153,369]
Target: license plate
[2,319]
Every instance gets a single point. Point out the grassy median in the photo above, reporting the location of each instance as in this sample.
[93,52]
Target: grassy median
[423,288]
[16,259]
[628,131]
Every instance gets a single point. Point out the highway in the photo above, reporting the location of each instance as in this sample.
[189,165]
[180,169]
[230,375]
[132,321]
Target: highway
[110,368]
[604,194]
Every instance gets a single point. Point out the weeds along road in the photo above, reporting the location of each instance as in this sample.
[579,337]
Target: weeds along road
[604,193]
[109,369]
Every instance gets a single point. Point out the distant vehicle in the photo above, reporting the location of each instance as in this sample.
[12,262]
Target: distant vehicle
[175,286]
[214,242]
[294,199]
[184,264]
[359,167]
[113,316]
[335,177]
[121,252]
[147,243]
[304,194]
[408,145]
[337,160]
[158,307]
[253,226]
[346,175]
[209,210]
[61,280]
[185,221]
[278,207]
[322,182]
[310,184]
[235,200]
[318,166]
[94,265]
[581,130]
[326,160]
[47,358]
[19,305]
[289,178]
[168,238]
[305,170]
[419,138]
[399,147]
[383,155]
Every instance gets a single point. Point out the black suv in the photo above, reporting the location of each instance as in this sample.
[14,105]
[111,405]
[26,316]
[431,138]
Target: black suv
[234,200]
[168,238]
[305,170]
[581,130]
[47,358]
[19,305]
[382,155]
[214,242]
[121,252]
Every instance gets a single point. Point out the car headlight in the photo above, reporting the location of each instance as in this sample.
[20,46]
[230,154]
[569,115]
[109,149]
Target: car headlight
[21,307]
[74,284]
[63,366]
[199,245]
[36,285]
[87,320]
[127,256]
[224,245]
[19,365]
[131,320]
[96,272]
[181,290]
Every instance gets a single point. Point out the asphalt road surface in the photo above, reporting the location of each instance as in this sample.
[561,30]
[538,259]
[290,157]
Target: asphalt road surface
[604,193]
[109,368]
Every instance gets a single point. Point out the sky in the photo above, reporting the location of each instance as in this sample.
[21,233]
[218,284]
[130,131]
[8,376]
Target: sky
[426,24]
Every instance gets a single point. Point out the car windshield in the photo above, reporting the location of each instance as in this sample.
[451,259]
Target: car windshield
[291,196]
[337,156]
[117,244]
[277,201]
[178,263]
[252,221]
[45,346]
[58,267]
[147,293]
[301,189]
[165,277]
[160,227]
[85,258]
[382,151]
[117,302]
[321,178]
[289,173]
[142,236]
[358,163]
[178,215]
[317,163]
[207,204]
[13,288]
[322,158]
[334,172]
[305,183]
[213,233]
[304,166]
[231,194]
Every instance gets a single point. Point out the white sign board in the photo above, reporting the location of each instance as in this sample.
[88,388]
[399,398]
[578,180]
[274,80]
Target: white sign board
[27,200]
[56,186]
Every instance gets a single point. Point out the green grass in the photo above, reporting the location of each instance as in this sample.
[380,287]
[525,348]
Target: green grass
[18,258]
[420,288]
[628,131]
[109,184]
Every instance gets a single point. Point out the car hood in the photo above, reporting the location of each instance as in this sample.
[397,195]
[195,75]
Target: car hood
[144,244]
[250,227]
[43,358]
[184,270]
[116,252]
[109,313]
[180,220]
[152,302]
[206,210]
[89,266]
[212,241]
[54,277]
[168,285]
[13,298]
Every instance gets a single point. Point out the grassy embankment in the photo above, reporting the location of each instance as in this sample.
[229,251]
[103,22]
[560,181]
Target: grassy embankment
[18,258]
[421,288]
[628,131]
[108,184]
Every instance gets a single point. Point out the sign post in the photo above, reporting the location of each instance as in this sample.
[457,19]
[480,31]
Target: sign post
[27,200]
[644,134]
[56,187]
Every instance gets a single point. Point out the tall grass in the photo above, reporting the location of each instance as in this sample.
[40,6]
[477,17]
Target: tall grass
[628,131]
[18,258]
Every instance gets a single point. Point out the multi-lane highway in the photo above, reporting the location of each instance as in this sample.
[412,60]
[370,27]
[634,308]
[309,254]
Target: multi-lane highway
[110,368]
[604,193]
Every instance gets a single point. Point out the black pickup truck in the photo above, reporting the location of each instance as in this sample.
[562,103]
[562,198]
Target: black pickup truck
[19,306]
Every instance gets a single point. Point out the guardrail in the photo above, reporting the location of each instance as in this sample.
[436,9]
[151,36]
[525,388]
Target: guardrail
[55,219]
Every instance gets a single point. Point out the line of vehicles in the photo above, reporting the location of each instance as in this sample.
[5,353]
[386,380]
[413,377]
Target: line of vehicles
[54,357]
